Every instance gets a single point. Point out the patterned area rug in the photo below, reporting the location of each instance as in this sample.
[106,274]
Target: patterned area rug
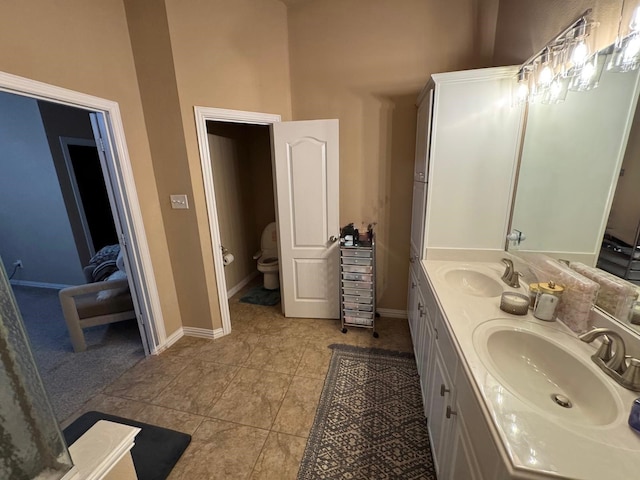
[370,422]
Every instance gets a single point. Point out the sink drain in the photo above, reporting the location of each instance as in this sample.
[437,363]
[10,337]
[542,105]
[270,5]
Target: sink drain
[561,400]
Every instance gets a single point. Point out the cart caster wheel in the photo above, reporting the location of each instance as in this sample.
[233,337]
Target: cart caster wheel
[377,315]
[344,330]
[375,335]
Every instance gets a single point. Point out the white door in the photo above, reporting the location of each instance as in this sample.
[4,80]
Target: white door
[306,176]
[118,207]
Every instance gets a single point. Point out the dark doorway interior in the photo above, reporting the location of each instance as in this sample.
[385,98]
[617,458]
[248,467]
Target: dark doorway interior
[93,195]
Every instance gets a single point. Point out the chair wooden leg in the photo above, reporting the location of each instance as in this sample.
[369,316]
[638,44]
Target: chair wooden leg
[73,323]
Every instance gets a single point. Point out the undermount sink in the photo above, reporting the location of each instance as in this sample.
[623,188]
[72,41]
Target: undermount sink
[473,282]
[542,371]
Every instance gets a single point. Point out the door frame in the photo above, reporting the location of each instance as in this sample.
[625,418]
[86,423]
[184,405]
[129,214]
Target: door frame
[123,189]
[202,116]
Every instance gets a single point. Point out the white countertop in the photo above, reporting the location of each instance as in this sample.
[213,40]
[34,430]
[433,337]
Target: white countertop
[534,443]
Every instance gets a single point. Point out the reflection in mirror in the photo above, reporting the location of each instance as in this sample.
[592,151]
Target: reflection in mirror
[572,156]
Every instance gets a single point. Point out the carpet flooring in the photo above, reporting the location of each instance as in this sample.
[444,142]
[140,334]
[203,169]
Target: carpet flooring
[369,422]
[73,378]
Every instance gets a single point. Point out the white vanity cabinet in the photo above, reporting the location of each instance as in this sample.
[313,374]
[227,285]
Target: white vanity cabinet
[467,139]
[461,443]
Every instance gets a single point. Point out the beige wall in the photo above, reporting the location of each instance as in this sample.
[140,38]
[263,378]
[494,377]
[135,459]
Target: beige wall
[226,54]
[365,63]
[85,46]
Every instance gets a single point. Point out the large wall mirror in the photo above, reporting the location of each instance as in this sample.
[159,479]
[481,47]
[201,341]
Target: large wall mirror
[579,178]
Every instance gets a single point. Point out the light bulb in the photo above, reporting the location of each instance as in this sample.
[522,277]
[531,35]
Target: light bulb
[587,72]
[580,53]
[522,92]
[545,76]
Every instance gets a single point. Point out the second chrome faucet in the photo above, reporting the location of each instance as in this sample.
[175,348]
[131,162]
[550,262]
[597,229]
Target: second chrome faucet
[623,369]
[510,276]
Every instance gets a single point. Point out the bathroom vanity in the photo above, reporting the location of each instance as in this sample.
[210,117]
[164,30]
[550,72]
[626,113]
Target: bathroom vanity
[505,396]
[493,386]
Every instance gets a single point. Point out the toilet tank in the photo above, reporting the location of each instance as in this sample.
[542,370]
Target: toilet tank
[269,241]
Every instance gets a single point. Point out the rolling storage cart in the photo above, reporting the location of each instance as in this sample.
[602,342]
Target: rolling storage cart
[358,279]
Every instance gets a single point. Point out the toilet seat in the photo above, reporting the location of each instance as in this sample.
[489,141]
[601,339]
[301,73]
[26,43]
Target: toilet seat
[270,261]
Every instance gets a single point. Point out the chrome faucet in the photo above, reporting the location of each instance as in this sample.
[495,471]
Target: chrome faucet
[614,364]
[510,276]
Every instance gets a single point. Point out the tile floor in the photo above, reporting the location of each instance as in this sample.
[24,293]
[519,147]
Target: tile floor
[248,399]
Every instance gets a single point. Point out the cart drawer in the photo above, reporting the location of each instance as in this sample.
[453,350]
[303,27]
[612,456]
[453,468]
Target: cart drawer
[361,322]
[365,294]
[359,277]
[357,269]
[356,299]
[356,313]
[355,252]
[360,307]
[356,261]
[357,285]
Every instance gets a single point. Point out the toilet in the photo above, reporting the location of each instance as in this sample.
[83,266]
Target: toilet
[268,257]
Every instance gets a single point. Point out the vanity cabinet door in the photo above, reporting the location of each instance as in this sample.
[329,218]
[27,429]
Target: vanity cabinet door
[440,394]
[462,462]
[412,307]
[423,134]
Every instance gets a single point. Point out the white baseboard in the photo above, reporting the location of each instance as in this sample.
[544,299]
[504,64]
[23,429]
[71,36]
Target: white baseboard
[202,332]
[391,313]
[242,283]
[28,283]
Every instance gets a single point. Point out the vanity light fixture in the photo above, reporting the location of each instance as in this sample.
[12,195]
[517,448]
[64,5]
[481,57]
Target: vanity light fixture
[545,76]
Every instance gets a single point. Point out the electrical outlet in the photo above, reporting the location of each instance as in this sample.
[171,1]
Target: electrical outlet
[17,263]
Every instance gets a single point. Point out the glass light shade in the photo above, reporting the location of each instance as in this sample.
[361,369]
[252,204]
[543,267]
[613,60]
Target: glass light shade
[544,71]
[520,88]
[626,56]
[589,75]
[557,91]
[579,47]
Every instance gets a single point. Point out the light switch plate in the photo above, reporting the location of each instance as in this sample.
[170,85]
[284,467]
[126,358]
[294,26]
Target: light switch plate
[179,201]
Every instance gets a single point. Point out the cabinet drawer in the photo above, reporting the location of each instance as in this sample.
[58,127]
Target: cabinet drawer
[353,252]
[358,277]
[357,269]
[357,285]
[356,261]
[361,307]
[355,292]
[356,299]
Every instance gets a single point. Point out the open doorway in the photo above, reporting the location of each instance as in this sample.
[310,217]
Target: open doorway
[107,133]
[305,169]
[242,175]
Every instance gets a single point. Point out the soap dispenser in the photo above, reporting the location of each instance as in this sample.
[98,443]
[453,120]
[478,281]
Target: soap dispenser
[547,300]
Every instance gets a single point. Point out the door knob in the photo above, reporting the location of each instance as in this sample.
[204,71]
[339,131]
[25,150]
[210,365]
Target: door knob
[333,239]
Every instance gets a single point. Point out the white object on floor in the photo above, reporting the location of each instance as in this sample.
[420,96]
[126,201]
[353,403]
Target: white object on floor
[104,452]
